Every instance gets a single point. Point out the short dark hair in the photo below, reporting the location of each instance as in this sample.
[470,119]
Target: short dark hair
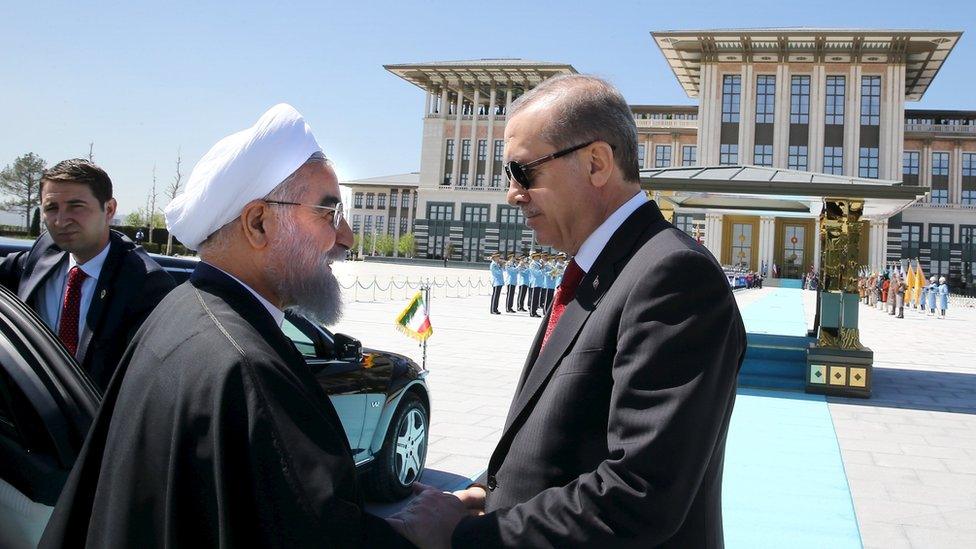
[82,172]
[586,108]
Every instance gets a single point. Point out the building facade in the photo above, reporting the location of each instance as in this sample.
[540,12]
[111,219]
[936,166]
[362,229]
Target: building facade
[381,206]
[797,100]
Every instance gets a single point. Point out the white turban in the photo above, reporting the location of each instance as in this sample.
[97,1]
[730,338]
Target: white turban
[240,168]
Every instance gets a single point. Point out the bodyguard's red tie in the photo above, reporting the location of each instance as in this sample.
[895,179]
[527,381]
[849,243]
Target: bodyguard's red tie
[71,310]
[564,294]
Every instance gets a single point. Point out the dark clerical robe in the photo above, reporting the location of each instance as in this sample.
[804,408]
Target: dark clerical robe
[214,433]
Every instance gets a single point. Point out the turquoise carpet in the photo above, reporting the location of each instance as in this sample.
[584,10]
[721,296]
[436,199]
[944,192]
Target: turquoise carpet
[784,483]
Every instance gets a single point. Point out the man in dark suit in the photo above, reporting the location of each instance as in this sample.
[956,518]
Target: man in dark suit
[616,434]
[91,285]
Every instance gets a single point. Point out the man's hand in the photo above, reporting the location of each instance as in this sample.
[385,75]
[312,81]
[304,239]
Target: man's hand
[429,520]
[473,499]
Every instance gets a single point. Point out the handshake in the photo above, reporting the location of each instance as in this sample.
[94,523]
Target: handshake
[430,518]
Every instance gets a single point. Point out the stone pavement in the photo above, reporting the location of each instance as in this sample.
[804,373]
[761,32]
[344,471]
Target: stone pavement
[909,452]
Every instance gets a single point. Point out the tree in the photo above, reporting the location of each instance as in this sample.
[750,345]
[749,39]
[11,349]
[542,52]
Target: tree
[151,205]
[171,192]
[406,245]
[384,244]
[22,182]
[139,218]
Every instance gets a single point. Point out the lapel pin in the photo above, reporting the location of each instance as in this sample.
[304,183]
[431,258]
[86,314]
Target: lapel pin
[102,296]
[596,282]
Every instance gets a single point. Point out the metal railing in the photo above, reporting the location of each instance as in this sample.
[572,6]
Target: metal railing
[941,128]
[664,123]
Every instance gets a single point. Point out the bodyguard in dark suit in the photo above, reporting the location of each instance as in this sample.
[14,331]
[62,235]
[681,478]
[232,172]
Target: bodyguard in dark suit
[91,285]
[616,434]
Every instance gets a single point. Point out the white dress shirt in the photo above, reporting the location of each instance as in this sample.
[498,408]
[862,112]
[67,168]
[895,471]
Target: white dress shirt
[51,299]
[276,313]
[594,244]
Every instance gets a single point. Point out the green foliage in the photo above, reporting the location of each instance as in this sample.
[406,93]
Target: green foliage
[138,218]
[384,244]
[21,182]
[405,246]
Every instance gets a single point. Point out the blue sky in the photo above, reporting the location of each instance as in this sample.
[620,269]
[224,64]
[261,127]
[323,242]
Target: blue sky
[143,81]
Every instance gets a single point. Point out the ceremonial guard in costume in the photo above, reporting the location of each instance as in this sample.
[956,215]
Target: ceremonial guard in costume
[900,297]
[869,289]
[933,290]
[497,281]
[892,290]
[536,285]
[943,296]
[523,280]
[511,279]
[920,304]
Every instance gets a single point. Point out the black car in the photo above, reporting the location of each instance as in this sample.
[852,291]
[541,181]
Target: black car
[47,404]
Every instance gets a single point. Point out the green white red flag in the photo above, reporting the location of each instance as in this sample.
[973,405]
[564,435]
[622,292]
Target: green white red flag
[414,321]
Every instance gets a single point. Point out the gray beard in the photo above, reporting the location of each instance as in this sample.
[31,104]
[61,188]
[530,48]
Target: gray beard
[304,282]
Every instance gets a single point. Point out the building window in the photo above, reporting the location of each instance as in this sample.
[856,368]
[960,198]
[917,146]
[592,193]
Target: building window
[439,211]
[357,200]
[800,100]
[641,153]
[836,88]
[465,149]
[463,182]
[482,150]
[798,157]
[731,93]
[911,240]
[867,166]
[728,154]
[393,198]
[765,99]
[403,226]
[368,227]
[450,149]
[405,199]
[909,161]
[508,215]
[379,224]
[834,160]
[763,155]
[381,201]
[662,156]
[479,181]
[369,200]
[968,179]
[357,221]
[940,178]
[940,241]
[870,100]
[477,213]
[496,180]
[499,150]
[689,155]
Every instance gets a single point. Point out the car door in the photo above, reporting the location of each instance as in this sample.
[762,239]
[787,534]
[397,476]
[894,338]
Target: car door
[46,407]
[340,378]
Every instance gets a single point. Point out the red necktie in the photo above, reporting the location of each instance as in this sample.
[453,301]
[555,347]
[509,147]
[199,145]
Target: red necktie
[564,294]
[71,310]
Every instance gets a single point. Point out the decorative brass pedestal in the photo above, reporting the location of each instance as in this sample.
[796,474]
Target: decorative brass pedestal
[838,364]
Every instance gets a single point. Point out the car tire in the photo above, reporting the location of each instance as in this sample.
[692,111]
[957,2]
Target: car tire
[400,461]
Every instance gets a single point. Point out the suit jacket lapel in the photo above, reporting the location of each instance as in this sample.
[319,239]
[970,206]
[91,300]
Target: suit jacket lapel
[49,262]
[99,299]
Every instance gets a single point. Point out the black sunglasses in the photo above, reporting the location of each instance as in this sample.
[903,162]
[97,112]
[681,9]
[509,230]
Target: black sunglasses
[520,172]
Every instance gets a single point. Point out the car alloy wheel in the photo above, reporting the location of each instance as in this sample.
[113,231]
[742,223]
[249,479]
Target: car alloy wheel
[400,461]
[411,446]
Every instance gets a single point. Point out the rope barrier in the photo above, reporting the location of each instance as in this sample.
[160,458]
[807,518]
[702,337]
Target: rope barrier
[447,283]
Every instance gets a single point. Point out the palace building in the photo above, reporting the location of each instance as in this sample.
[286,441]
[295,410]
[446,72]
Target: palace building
[796,104]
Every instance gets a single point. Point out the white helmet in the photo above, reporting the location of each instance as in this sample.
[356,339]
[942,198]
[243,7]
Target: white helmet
[941,280]
[932,280]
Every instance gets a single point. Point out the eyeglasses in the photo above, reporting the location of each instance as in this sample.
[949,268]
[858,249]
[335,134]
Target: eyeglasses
[520,172]
[336,210]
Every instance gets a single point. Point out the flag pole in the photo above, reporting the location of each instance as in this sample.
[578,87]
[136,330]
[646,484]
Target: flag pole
[423,360]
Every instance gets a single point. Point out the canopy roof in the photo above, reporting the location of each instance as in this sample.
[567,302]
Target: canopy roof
[774,191]
[922,51]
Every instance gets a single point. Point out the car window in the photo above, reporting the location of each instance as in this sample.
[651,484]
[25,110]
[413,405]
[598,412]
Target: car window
[304,343]
[19,421]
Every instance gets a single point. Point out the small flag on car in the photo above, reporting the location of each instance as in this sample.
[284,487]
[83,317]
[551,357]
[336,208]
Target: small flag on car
[414,320]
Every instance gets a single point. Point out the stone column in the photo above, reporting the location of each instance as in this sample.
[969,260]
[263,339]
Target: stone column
[767,241]
[427,93]
[852,122]
[713,234]
[675,153]
[781,126]
[925,166]
[818,92]
[459,103]
[816,246]
[747,115]
[473,163]
[508,99]
[955,174]
[444,102]
[489,158]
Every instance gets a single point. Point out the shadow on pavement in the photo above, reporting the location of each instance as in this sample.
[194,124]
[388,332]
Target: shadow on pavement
[432,477]
[919,390]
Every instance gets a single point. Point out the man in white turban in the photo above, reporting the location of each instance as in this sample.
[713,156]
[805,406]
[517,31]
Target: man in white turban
[213,432]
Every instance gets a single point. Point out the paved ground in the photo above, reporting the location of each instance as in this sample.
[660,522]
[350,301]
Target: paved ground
[909,452]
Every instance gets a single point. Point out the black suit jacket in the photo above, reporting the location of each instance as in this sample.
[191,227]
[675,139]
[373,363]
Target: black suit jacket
[214,434]
[616,434]
[130,285]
